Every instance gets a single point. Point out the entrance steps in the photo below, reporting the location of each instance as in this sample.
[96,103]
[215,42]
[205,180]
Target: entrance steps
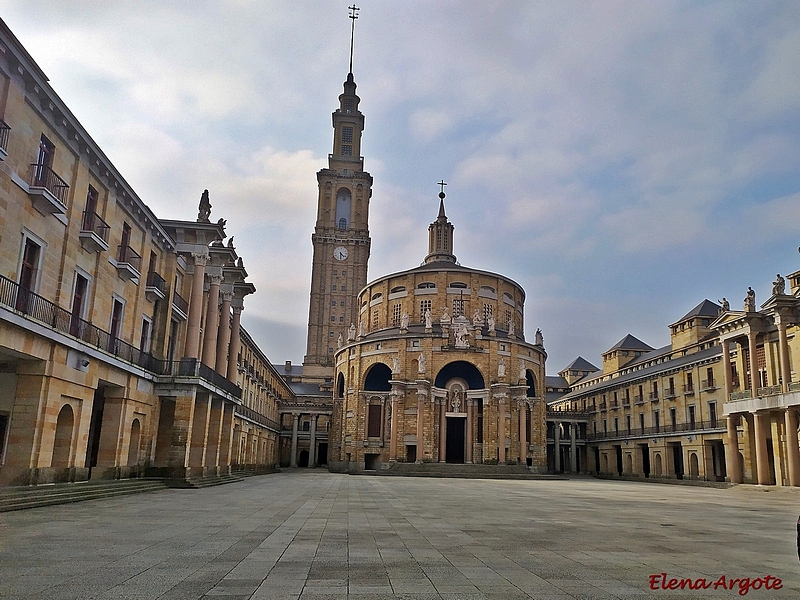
[204,482]
[458,471]
[21,497]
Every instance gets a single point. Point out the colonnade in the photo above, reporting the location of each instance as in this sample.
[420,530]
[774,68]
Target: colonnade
[313,457]
[558,442]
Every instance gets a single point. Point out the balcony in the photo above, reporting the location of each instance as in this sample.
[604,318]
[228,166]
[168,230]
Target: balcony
[669,394]
[128,263]
[708,385]
[626,403]
[156,287]
[193,369]
[94,233]
[47,191]
[638,400]
[602,407]
[677,429]
[653,396]
[769,390]
[614,404]
[180,307]
[688,390]
[4,131]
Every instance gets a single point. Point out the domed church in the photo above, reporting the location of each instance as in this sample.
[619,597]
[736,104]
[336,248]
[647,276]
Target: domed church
[437,369]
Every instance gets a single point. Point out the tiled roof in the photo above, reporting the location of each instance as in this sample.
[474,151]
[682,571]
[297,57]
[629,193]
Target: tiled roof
[630,343]
[706,308]
[580,364]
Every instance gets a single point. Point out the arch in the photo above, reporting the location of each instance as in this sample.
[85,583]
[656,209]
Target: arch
[397,289]
[458,285]
[340,386]
[460,369]
[659,468]
[302,459]
[694,466]
[426,285]
[343,200]
[530,379]
[133,447]
[605,464]
[628,463]
[62,446]
[377,379]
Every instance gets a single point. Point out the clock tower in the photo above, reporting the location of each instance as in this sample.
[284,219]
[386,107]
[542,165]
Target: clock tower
[341,239]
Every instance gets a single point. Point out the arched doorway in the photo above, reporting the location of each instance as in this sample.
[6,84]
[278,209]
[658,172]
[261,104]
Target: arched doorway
[694,466]
[377,379]
[340,386]
[659,468]
[530,380]
[62,445]
[133,448]
[302,460]
[457,378]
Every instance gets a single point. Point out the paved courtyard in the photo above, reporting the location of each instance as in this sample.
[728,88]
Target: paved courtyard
[312,534]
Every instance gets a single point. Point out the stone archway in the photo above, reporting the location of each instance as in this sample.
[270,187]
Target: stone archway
[133,448]
[62,445]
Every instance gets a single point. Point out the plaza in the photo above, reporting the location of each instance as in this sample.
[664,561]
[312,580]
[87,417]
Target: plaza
[313,534]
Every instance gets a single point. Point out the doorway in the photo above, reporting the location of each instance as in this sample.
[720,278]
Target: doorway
[456,430]
[645,459]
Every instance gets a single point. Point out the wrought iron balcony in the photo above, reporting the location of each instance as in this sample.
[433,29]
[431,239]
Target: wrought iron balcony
[94,232]
[128,263]
[47,190]
[653,396]
[4,131]
[678,428]
[670,393]
[637,399]
[708,385]
[180,307]
[193,369]
[688,389]
[156,287]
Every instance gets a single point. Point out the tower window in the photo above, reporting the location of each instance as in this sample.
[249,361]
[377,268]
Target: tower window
[375,318]
[396,315]
[458,307]
[424,305]
[347,103]
[347,150]
[347,135]
[342,224]
[487,311]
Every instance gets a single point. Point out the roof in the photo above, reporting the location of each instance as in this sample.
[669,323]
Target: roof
[580,364]
[706,308]
[629,343]
[553,381]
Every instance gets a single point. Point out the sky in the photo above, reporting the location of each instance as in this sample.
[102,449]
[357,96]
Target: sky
[622,161]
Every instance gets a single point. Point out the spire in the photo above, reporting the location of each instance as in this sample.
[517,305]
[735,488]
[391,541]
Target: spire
[353,16]
[440,235]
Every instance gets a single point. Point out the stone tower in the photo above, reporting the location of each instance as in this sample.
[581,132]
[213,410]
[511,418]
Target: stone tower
[341,239]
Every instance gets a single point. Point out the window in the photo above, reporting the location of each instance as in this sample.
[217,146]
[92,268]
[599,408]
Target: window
[616,426]
[333,288]
[458,285]
[374,318]
[488,288]
[3,431]
[116,324]
[173,339]
[396,315]
[144,339]
[426,285]
[377,296]
[333,317]
[399,288]
[656,421]
[712,413]
[347,150]
[28,273]
[347,103]
[692,421]
[343,288]
[44,161]
[487,311]
[374,420]
[509,319]
[689,382]
[330,334]
[424,306]
[458,307]
[344,272]
[341,319]
[605,426]
[641,422]
[341,224]
[79,296]
[628,423]
[333,302]
[347,135]
[673,418]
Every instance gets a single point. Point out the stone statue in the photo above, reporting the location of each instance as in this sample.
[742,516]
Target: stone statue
[351,333]
[501,367]
[222,223]
[421,364]
[779,286]
[510,327]
[428,320]
[476,318]
[395,364]
[204,209]
[361,328]
[445,316]
[750,301]
[230,242]
[455,403]
[462,334]
[240,263]
[539,337]
[339,341]
[404,320]
[490,322]
[725,306]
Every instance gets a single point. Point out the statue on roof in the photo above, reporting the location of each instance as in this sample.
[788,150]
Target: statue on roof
[221,223]
[404,320]
[421,364]
[779,286]
[204,209]
[490,322]
[351,333]
[501,367]
[539,338]
[725,305]
[750,301]
[428,320]
[339,341]
[230,242]
[511,328]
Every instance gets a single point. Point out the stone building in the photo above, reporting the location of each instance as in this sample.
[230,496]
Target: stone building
[119,332]
[437,369]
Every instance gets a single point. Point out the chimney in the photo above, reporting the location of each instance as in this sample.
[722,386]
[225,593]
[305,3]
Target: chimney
[288,367]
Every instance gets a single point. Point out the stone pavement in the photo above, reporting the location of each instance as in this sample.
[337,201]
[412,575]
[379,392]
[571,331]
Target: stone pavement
[311,534]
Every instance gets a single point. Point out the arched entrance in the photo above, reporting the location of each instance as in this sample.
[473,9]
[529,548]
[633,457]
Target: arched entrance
[133,448]
[302,460]
[456,418]
[63,442]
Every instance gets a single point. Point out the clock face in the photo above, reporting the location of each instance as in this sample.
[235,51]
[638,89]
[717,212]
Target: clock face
[340,253]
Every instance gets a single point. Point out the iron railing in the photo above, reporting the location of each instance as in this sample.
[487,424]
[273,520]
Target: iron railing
[4,131]
[708,384]
[37,308]
[180,303]
[43,176]
[688,389]
[154,280]
[92,222]
[253,415]
[698,426]
[129,256]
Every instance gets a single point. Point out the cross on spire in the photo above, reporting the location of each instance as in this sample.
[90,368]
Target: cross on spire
[441,184]
[353,15]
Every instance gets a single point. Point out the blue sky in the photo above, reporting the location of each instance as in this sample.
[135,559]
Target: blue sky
[620,160]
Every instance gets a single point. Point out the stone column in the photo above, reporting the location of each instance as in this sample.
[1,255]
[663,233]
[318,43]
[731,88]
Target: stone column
[523,433]
[783,350]
[214,435]
[202,411]
[762,461]
[442,429]
[295,423]
[233,352]
[226,439]
[751,341]
[573,448]
[732,450]
[727,376]
[557,446]
[212,322]
[420,426]
[393,438]
[192,348]
[312,447]
[470,403]
[501,431]
[224,335]
[792,450]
